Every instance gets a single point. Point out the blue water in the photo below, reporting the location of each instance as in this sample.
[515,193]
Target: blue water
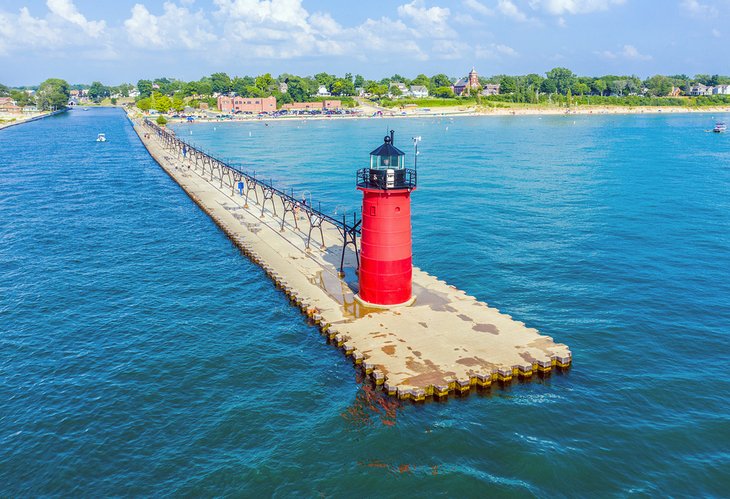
[142,354]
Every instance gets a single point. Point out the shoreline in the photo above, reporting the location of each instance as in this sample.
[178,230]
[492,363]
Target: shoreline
[28,119]
[469,112]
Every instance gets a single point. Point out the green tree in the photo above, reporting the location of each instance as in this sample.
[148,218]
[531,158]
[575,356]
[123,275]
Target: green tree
[190,89]
[162,103]
[702,78]
[265,82]
[253,91]
[581,88]
[533,80]
[178,104]
[440,80]
[145,104]
[325,79]
[298,89]
[359,81]
[220,82]
[395,91]
[548,86]
[443,92]
[599,86]
[144,87]
[633,85]
[617,87]
[205,87]
[21,98]
[239,84]
[343,86]
[4,91]
[422,80]
[52,94]
[658,86]
[161,120]
[563,78]
[164,85]
[114,101]
[507,85]
[378,90]
[98,91]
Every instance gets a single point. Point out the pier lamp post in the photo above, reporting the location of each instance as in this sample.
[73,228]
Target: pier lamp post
[386,262]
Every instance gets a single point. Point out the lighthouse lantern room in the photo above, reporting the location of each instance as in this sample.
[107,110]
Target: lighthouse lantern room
[386,264]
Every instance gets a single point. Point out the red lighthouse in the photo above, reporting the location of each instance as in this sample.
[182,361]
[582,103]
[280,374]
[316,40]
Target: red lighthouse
[386,265]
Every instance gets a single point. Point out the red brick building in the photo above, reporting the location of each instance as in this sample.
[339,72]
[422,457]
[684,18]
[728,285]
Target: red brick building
[246,104]
[326,105]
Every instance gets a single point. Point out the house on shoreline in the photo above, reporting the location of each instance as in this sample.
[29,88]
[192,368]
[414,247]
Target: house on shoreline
[8,105]
[490,89]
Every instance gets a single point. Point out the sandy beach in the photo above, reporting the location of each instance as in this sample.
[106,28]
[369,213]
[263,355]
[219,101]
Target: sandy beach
[8,120]
[366,112]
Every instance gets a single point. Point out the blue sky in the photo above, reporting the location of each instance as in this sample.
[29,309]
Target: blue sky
[123,41]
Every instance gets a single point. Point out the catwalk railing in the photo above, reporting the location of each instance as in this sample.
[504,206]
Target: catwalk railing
[238,179]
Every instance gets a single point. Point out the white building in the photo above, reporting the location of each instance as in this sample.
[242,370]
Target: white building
[700,89]
[490,89]
[721,90]
[401,88]
[419,91]
[323,92]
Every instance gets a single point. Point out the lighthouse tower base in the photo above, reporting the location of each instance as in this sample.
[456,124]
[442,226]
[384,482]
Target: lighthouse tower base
[406,303]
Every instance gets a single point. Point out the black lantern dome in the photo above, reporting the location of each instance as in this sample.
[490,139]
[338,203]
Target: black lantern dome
[387,169]
[387,156]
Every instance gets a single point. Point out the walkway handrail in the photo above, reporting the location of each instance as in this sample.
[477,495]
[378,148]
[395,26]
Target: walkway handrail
[340,224]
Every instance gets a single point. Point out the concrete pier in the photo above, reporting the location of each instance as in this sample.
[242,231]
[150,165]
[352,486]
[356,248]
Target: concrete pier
[445,342]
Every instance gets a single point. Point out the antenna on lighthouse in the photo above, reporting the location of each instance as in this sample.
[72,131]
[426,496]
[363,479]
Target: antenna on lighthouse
[416,140]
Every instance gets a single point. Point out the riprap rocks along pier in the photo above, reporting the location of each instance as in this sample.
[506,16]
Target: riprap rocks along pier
[429,340]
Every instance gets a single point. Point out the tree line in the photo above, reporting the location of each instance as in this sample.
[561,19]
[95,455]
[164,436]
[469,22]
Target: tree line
[50,95]
[170,93]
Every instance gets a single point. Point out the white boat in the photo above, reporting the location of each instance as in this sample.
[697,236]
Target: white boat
[720,127]
[101,138]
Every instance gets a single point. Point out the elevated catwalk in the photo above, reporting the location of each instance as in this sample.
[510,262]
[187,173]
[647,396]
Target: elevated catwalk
[444,342]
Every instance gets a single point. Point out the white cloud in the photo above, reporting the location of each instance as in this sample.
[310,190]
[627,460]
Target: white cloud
[176,26]
[509,9]
[389,36]
[325,24]
[478,7]
[284,12]
[629,52]
[449,49]
[433,21]
[560,7]
[699,9]
[66,10]
[495,51]
[466,20]
[62,27]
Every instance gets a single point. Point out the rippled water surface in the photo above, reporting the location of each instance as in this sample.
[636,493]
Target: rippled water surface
[141,354]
